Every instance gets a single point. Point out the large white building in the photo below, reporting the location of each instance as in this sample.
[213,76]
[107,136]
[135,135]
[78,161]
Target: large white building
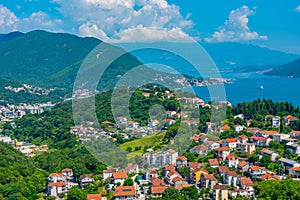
[161,158]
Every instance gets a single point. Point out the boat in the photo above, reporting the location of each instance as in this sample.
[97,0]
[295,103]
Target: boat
[261,87]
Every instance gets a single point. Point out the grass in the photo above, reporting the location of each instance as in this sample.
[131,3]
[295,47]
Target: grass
[150,141]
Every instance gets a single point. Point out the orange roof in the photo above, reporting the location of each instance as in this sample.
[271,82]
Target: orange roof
[169,168]
[213,162]
[106,122]
[120,175]
[231,157]
[56,174]
[231,173]
[255,168]
[243,137]
[200,169]
[243,164]
[231,140]
[201,147]
[123,191]
[109,171]
[158,189]
[223,149]
[94,197]
[246,181]
[296,168]
[209,177]
[270,177]
[223,169]
[181,158]
[193,165]
[180,187]
[156,181]
[57,184]
[269,132]
[221,187]
[178,178]
[225,127]
[67,170]
[290,117]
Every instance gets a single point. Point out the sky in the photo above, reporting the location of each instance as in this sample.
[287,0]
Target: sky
[273,24]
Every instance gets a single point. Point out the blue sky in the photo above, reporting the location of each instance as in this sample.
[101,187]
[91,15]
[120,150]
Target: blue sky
[274,24]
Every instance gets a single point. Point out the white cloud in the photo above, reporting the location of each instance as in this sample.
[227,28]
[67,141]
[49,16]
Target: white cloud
[37,20]
[236,28]
[110,19]
[8,20]
[297,9]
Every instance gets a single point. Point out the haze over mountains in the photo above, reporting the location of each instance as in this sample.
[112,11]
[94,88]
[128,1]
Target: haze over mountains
[52,59]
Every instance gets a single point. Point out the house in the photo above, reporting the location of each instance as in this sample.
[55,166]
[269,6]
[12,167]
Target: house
[133,125]
[124,192]
[208,181]
[222,169]
[85,179]
[68,174]
[222,152]
[256,171]
[248,148]
[288,119]
[269,176]
[288,164]
[220,192]
[293,148]
[276,122]
[253,130]
[152,123]
[161,158]
[273,155]
[108,173]
[94,197]
[266,134]
[295,172]
[150,173]
[56,177]
[238,128]
[172,178]
[213,162]
[239,116]
[230,178]
[132,168]
[119,177]
[122,120]
[231,161]
[179,181]
[169,122]
[157,191]
[295,134]
[197,173]
[210,127]
[212,145]
[203,138]
[224,128]
[155,181]
[246,189]
[181,161]
[230,142]
[280,137]
[200,149]
[193,165]
[243,167]
[242,139]
[259,141]
[168,169]
[56,188]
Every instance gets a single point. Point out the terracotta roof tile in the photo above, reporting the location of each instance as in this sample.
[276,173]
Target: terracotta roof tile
[213,162]
[57,184]
[223,169]
[120,175]
[231,140]
[243,164]
[223,149]
[246,181]
[158,189]
[209,177]
[94,197]
[122,191]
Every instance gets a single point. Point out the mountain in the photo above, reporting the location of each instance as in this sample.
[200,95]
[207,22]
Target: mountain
[10,36]
[47,59]
[230,55]
[291,69]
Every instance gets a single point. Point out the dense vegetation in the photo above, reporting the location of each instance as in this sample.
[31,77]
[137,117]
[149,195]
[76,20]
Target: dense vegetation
[19,177]
[288,70]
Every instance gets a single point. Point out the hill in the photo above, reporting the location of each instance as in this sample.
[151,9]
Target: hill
[10,36]
[291,69]
[230,55]
[47,59]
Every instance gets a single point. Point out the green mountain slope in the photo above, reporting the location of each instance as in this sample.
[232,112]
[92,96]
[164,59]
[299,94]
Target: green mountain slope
[291,69]
[51,59]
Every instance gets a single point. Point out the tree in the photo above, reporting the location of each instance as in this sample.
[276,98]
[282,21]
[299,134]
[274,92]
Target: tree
[172,193]
[128,182]
[75,194]
[265,161]
[190,192]
[184,171]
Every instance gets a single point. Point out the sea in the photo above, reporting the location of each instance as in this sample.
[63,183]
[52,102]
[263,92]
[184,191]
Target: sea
[247,87]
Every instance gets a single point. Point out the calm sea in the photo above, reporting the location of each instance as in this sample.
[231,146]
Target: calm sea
[250,86]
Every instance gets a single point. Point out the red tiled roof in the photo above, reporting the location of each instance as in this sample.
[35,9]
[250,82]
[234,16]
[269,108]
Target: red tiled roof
[243,164]
[156,181]
[158,189]
[57,184]
[269,132]
[109,171]
[177,178]
[230,157]
[201,147]
[66,170]
[169,168]
[209,177]
[213,162]
[181,158]
[225,127]
[231,173]
[243,137]
[290,117]
[200,169]
[256,138]
[56,174]
[246,181]
[193,165]
[123,191]
[231,140]
[221,187]
[94,197]
[223,149]
[255,168]
[223,169]
[270,177]
[296,168]
[120,175]
[84,176]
